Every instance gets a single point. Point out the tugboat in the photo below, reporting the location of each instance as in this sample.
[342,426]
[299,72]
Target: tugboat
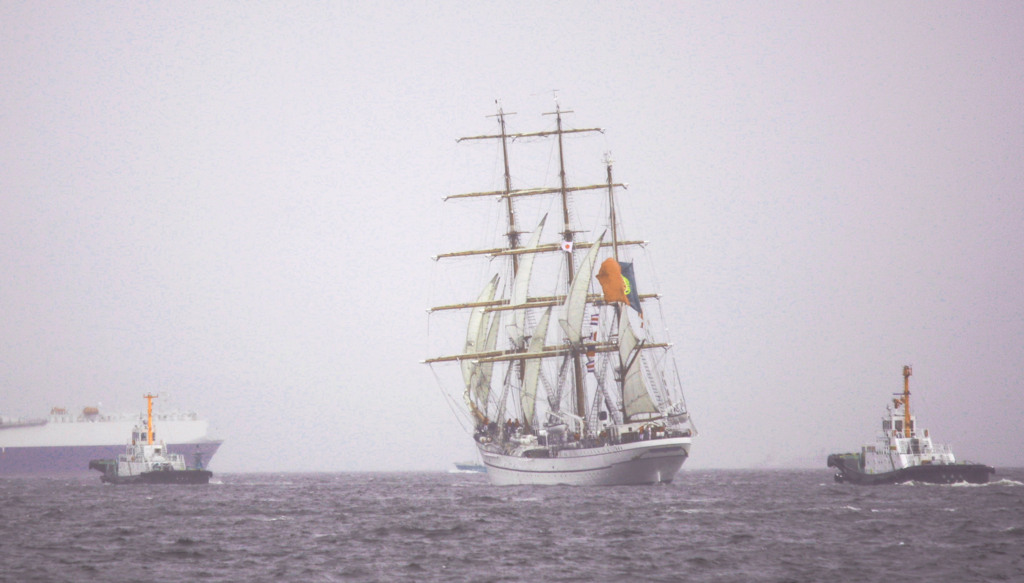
[146,461]
[904,454]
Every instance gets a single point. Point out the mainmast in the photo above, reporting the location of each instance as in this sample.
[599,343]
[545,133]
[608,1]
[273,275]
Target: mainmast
[563,193]
[567,236]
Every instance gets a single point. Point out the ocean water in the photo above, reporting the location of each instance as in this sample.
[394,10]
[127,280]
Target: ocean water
[708,525]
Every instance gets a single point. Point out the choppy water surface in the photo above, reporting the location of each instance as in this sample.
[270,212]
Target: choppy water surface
[706,526]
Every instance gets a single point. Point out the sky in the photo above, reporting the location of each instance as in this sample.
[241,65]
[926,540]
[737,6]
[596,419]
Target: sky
[235,205]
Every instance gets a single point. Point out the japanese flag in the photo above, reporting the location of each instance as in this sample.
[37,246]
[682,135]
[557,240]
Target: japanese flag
[567,246]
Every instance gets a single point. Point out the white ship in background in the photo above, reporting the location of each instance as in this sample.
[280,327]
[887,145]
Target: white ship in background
[66,441]
[564,381]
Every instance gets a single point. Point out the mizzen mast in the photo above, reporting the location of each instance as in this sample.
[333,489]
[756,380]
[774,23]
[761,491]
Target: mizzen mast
[611,207]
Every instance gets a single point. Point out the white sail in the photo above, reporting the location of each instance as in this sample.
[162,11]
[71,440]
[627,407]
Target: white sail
[473,334]
[531,369]
[521,288]
[481,377]
[635,398]
[576,301]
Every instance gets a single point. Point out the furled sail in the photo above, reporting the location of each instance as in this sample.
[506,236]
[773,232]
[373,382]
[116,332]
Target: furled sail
[635,398]
[521,287]
[531,368]
[576,301]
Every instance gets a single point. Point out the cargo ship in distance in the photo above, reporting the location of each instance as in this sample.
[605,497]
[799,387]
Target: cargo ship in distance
[903,453]
[65,441]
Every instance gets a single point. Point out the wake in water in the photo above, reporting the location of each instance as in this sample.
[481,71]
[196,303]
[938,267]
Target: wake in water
[997,483]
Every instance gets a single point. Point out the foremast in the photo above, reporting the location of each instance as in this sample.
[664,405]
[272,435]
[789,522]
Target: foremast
[510,210]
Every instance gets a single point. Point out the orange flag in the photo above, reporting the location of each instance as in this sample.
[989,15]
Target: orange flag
[610,277]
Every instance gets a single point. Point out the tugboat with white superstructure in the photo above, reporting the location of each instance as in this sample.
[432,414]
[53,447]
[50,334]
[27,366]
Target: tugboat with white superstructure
[902,453]
[147,461]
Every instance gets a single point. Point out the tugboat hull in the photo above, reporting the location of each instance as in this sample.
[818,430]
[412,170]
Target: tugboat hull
[161,477]
[187,476]
[848,469]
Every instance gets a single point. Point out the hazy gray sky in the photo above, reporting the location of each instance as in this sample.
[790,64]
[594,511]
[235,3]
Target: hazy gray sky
[236,205]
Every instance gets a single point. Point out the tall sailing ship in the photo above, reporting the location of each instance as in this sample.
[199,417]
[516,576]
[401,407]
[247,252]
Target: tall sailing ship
[562,377]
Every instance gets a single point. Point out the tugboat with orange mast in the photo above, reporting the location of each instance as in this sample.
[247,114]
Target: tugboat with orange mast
[903,454]
[146,461]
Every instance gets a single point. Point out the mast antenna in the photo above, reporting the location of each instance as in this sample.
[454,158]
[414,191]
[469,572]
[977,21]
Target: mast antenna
[907,371]
[149,417]
[567,236]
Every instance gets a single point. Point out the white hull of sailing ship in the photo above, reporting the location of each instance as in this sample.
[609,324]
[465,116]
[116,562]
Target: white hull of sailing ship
[594,397]
[649,462]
